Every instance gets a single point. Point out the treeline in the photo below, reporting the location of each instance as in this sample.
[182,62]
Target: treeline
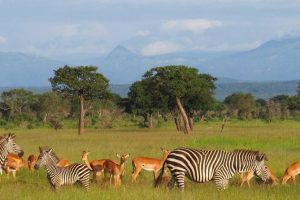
[172,93]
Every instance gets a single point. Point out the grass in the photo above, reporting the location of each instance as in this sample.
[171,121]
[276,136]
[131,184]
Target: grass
[280,140]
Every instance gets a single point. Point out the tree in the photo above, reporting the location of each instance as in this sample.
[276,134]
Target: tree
[299,90]
[241,104]
[83,82]
[175,88]
[17,101]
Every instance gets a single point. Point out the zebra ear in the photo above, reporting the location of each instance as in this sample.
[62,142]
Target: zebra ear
[50,150]
[40,149]
[261,157]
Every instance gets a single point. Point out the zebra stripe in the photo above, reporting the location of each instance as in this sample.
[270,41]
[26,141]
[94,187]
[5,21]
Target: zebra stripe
[212,165]
[62,176]
[8,145]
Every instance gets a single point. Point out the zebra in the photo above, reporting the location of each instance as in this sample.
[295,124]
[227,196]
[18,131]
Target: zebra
[8,145]
[62,176]
[212,165]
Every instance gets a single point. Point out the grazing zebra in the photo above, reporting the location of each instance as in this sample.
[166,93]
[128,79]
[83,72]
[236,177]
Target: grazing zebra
[8,145]
[62,176]
[217,165]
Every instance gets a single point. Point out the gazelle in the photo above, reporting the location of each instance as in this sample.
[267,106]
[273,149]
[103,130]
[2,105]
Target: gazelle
[291,172]
[96,165]
[115,170]
[13,163]
[250,175]
[148,164]
[31,161]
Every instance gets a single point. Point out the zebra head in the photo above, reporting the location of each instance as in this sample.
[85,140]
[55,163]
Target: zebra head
[9,143]
[261,170]
[46,153]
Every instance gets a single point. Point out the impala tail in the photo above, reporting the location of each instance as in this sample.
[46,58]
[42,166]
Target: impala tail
[159,178]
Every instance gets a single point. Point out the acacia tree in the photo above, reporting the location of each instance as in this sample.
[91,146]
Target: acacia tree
[17,101]
[175,88]
[83,82]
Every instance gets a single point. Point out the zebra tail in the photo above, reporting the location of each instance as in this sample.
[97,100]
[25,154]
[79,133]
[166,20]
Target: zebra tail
[159,178]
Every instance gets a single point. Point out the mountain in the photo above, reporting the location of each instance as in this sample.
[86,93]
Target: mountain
[273,60]
[19,69]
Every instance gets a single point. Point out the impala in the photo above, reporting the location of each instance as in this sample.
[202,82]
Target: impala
[96,165]
[115,170]
[148,164]
[250,175]
[13,163]
[291,172]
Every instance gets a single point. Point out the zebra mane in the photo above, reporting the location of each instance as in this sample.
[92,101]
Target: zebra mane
[246,151]
[52,154]
[259,156]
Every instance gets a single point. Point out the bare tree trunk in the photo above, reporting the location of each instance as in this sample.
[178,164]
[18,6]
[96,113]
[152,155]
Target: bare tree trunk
[187,128]
[223,124]
[81,118]
[150,121]
[45,117]
[191,122]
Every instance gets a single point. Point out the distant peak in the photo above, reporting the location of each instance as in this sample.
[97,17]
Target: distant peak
[120,51]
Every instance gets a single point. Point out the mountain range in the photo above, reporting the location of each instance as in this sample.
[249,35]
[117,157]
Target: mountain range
[273,60]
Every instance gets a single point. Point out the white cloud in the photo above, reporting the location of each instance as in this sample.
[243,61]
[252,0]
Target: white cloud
[143,33]
[191,25]
[81,30]
[159,47]
[3,40]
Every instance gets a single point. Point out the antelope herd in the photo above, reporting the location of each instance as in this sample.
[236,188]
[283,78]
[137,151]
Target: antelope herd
[181,162]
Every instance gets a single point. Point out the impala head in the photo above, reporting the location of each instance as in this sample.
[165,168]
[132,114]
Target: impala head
[11,145]
[45,153]
[123,157]
[84,155]
[165,152]
[261,170]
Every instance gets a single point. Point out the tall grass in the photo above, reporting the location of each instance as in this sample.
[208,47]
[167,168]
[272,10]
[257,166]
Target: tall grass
[280,140]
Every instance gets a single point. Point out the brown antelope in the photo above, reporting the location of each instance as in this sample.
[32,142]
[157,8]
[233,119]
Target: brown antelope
[291,172]
[250,175]
[31,161]
[115,170]
[63,163]
[96,165]
[148,164]
[13,163]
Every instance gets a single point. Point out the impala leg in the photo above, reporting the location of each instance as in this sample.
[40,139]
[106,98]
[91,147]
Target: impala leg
[135,174]
[294,179]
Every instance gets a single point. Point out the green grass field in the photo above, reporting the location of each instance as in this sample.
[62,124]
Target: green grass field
[279,140]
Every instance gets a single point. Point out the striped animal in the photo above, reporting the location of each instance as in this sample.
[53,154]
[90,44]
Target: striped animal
[8,145]
[214,165]
[59,176]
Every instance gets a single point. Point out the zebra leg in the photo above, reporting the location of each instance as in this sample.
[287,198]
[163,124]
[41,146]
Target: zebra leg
[222,184]
[171,182]
[179,177]
[86,183]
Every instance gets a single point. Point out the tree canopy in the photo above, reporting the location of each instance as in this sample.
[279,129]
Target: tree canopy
[82,81]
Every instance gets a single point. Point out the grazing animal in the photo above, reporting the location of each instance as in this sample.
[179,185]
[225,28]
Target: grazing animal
[13,163]
[59,176]
[291,172]
[96,165]
[8,145]
[31,161]
[115,170]
[249,175]
[148,164]
[217,165]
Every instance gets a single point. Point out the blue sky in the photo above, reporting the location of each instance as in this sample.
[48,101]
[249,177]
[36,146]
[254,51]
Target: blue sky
[59,28]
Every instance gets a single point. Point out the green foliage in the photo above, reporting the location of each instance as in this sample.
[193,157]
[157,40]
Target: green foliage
[242,104]
[17,101]
[81,80]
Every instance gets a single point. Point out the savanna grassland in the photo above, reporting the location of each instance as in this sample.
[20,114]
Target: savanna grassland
[279,140]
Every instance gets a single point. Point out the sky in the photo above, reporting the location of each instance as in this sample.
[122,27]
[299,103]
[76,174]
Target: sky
[60,28]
